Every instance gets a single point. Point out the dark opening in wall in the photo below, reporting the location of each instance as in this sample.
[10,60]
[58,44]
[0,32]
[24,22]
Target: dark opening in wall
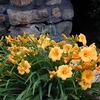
[4,1]
[87,19]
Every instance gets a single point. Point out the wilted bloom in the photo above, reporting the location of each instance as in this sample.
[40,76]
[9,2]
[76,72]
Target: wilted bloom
[67,48]
[64,72]
[9,39]
[21,39]
[24,50]
[78,78]
[64,36]
[21,70]
[75,55]
[32,38]
[88,53]
[45,43]
[41,39]
[55,53]
[82,39]
[75,48]
[79,67]
[11,59]
[88,65]
[66,59]
[75,62]
[61,43]
[23,67]
[85,85]
[88,76]
[25,40]
[52,73]
[14,48]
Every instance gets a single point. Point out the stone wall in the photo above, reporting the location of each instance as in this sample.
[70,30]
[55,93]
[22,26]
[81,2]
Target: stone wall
[36,16]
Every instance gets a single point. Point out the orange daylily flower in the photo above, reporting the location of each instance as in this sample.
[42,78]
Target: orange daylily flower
[55,53]
[64,72]
[52,73]
[88,53]
[85,85]
[23,67]
[88,76]
[67,48]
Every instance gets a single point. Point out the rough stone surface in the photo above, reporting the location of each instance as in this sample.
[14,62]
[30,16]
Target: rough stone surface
[39,3]
[2,28]
[20,2]
[54,2]
[54,30]
[56,12]
[67,14]
[31,29]
[67,10]
[3,8]
[27,17]
[36,16]
[59,28]
[2,18]
[64,27]
[17,17]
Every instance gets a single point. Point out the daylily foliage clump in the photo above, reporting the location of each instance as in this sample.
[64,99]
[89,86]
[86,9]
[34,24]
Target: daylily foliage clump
[43,68]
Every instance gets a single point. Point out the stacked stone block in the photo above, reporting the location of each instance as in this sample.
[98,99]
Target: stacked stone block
[36,16]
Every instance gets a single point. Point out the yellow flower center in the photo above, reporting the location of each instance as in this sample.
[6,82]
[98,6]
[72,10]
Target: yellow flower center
[55,53]
[86,54]
[64,72]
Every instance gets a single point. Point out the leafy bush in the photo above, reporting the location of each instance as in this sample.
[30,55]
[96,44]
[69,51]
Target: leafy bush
[42,69]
